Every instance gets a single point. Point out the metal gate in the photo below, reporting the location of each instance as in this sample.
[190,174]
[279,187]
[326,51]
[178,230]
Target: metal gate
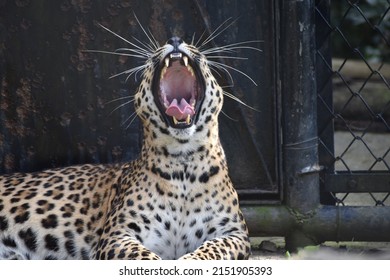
[317,179]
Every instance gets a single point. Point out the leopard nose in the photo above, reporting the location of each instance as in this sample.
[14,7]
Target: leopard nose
[175,42]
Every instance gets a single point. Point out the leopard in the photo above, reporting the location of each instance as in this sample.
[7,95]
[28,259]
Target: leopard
[175,201]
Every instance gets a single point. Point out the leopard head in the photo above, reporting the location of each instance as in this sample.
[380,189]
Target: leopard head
[178,96]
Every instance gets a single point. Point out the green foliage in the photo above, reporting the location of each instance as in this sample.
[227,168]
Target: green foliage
[365,26]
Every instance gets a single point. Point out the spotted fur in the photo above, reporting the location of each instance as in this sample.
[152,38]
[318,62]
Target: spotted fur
[176,201]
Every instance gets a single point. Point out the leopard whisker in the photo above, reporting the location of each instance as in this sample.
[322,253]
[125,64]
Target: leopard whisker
[216,69]
[125,40]
[199,39]
[193,39]
[117,53]
[122,105]
[226,57]
[224,67]
[234,46]
[220,29]
[149,35]
[118,99]
[229,117]
[145,54]
[149,47]
[133,116]
[235,98]
[133,71]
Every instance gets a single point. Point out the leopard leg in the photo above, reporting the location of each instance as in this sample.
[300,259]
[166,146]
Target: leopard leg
[123,247]
[231,247]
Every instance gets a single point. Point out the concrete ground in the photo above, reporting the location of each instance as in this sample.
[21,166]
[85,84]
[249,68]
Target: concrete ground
[272,248]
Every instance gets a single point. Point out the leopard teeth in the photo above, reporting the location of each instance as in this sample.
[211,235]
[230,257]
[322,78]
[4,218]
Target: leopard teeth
[189,68]
[187,121]
[175,55]
[185,60]
[163,71]
[167,62]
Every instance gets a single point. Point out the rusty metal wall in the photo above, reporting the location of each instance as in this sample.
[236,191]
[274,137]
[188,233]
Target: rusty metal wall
[55,99]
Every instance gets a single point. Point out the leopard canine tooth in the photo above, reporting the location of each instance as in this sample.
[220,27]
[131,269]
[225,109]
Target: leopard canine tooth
[188,120]
[175,120]
[163,71]
[167,62]
[185,60]
[189,68]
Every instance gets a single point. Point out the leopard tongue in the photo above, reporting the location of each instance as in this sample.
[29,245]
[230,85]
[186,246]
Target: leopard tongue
[180,112]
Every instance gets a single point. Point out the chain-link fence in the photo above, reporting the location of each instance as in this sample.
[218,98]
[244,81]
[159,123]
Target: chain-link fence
[357,106]
[334,76]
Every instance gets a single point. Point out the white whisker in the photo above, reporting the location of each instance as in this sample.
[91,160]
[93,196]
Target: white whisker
[234,46]
[135,74]
[216,69]
[116,53]
[119,98]
[228,50]
[145,54]
[226,56]
[133,116]
[193,39]
[131,71]
[155,43]
[235,98]
[148,47]
[122,105]
[125,40]
[217,32]
[224,66]
[151,38]
[229,117]
[200,38]
[129,117]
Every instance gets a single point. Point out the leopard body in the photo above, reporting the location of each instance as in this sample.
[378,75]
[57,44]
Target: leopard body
[176,201]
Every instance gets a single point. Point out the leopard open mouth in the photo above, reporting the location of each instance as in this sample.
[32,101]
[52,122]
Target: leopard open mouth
[178,89]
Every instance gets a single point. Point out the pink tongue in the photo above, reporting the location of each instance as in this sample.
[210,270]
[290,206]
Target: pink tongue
[180,111]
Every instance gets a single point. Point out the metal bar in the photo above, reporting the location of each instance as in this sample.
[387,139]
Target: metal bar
[299,105]
[357,182]
[268,220]
[325,94]
[298,87]
[362,223]
[326,223]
